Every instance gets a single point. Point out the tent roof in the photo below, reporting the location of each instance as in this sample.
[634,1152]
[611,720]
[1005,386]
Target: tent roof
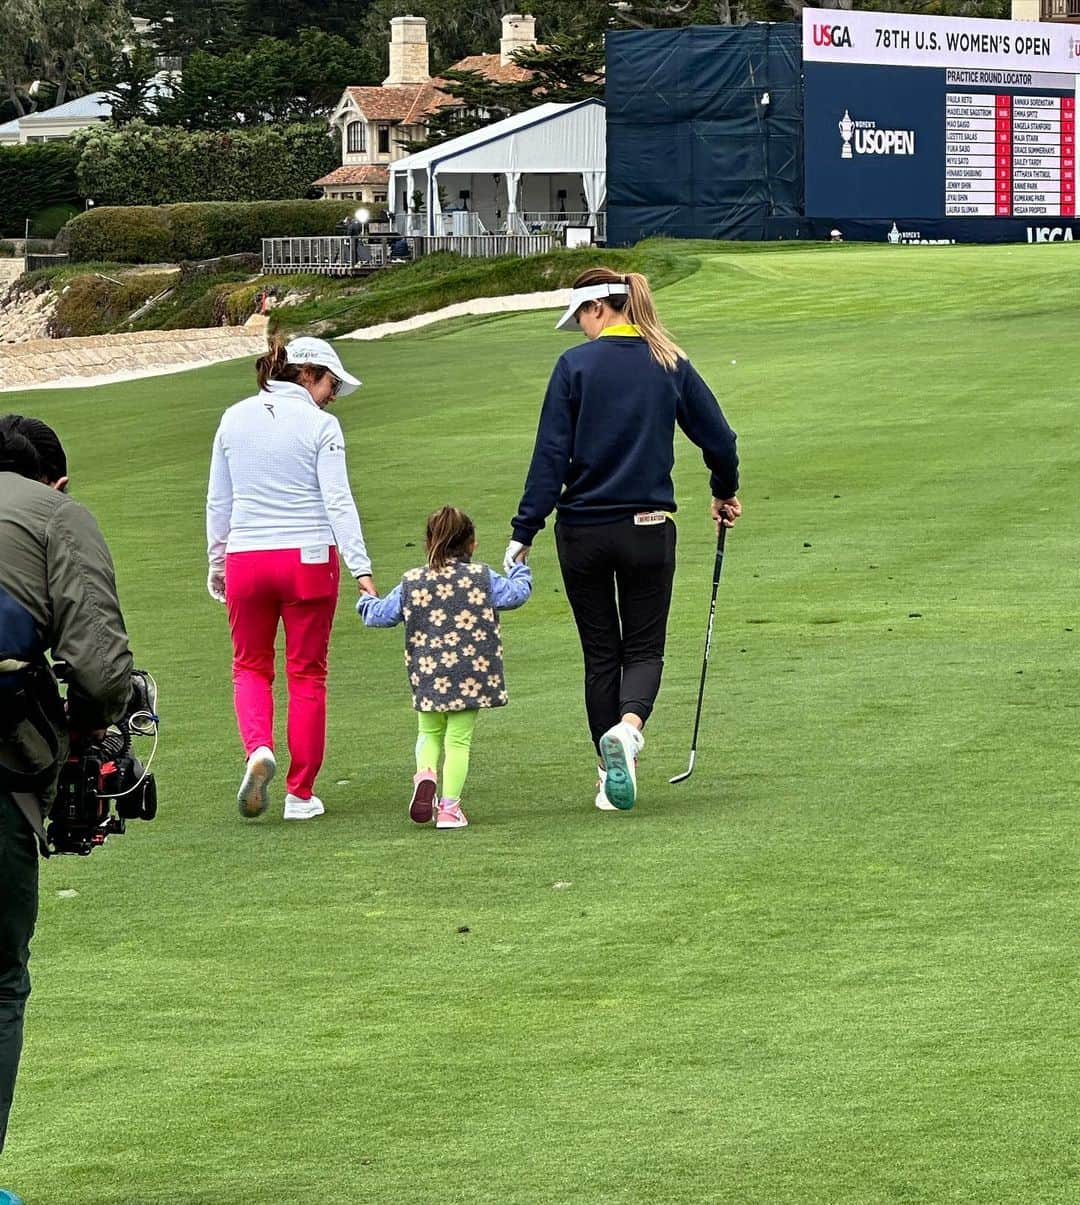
[549,138]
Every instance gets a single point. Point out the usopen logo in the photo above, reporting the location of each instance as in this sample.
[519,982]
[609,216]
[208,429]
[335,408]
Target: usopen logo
[864,138]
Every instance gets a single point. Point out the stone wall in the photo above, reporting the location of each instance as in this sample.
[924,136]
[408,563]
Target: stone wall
[9,270]
[142,353]
[25,316]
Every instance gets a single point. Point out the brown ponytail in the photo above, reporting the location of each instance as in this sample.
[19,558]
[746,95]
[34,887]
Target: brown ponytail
[450,536]
[638,307]
[275,366]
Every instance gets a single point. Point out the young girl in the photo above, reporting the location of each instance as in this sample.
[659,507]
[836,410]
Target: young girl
[453,653]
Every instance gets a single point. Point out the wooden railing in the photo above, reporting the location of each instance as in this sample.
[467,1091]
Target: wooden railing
[35,261]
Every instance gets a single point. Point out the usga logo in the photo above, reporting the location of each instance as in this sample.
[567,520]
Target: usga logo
[864,138]
[1049,234]
[832,35]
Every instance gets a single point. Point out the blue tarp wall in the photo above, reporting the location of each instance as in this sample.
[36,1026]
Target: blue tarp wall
[691,151]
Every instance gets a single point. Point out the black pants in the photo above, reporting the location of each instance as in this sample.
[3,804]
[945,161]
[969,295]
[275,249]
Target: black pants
[18,914]
[618,581]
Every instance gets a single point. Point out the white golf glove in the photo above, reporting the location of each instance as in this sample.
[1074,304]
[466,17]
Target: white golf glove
[513,549]
[215,583]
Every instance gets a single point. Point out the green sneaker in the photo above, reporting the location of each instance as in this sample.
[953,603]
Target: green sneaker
[619,747]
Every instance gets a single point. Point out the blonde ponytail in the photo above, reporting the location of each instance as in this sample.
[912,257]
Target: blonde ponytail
[638,307]
[641,310]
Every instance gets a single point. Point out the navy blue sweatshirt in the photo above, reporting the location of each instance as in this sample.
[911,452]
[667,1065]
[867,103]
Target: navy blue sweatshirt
[605,445]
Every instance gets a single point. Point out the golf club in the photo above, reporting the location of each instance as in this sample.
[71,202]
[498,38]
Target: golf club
[705,660]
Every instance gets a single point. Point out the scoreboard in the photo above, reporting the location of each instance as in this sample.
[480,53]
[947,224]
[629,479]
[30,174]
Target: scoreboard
[958,125]
[1010,153]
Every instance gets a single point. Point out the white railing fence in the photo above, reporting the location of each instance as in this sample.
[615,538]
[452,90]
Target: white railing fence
[535,221]
[334,256]
[465,222]
[485,245]
[327,256]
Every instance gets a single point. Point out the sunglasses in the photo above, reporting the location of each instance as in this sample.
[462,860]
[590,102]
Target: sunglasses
[335,384]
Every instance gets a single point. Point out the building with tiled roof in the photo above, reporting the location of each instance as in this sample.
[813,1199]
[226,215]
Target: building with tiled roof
[374,122]
[494,67]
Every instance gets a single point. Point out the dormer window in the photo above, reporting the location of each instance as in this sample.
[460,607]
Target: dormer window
[357,141]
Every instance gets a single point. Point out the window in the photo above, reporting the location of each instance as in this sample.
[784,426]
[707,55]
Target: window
[356,141]
[378,198]
[384,140]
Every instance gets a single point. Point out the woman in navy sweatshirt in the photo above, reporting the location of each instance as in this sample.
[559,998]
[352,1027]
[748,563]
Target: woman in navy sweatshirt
[603,459]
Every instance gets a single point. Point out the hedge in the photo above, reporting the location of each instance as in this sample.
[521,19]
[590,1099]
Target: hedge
[145,165]
[170,233]
[32,177]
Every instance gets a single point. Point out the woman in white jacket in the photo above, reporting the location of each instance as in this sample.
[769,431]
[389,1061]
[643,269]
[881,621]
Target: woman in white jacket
[279,510]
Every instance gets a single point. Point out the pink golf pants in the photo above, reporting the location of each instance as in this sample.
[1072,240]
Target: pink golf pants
[262,588]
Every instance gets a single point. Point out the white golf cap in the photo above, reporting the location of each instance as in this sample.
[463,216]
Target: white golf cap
[306,350]
[589,293]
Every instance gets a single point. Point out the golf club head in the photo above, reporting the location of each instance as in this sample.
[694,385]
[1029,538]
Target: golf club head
[686,774]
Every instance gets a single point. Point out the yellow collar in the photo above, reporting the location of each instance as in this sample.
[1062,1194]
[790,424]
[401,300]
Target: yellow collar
[626,328]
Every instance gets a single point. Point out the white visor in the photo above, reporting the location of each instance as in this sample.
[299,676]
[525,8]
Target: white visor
[306,350]
[590,293]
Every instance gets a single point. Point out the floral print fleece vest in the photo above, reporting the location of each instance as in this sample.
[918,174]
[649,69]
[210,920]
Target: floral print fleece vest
[453,649]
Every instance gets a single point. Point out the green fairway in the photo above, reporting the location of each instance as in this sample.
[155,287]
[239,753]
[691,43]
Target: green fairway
[837,965]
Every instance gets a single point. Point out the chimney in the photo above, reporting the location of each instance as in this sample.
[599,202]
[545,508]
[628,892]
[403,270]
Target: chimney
[518,33]
[408,51]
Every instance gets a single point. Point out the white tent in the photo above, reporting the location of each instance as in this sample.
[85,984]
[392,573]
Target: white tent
[541,166]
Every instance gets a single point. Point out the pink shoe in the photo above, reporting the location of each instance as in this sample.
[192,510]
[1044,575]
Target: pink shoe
[450,815]
[422,805]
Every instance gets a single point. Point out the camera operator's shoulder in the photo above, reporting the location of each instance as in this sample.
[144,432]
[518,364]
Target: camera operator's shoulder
[29,498]
[70,521]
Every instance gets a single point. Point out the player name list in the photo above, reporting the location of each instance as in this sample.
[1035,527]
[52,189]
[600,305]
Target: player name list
[1009,155]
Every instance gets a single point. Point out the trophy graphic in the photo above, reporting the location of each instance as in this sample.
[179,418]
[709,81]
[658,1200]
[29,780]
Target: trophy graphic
[847,128]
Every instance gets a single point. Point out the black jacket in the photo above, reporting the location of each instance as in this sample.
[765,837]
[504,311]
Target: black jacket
[57,596]
[605,444]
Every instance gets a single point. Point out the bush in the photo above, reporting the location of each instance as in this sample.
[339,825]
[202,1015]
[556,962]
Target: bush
[48,222]
[7,250]
[152,234]
[92,305]
[129,236]
[145,165]
[34,177]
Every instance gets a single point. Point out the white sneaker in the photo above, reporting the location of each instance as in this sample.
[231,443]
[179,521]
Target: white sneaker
[619,747]
[303,809]
[602,801]
[252,797]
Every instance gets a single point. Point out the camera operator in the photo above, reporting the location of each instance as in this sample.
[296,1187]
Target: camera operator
[57,593]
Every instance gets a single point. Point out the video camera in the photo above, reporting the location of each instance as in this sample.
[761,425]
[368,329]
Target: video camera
[101,773]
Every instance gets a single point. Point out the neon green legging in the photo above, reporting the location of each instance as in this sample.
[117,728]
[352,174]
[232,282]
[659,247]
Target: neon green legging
[452,730]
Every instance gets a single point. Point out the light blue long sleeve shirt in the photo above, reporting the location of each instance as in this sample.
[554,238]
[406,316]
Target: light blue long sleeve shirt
[507,594]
